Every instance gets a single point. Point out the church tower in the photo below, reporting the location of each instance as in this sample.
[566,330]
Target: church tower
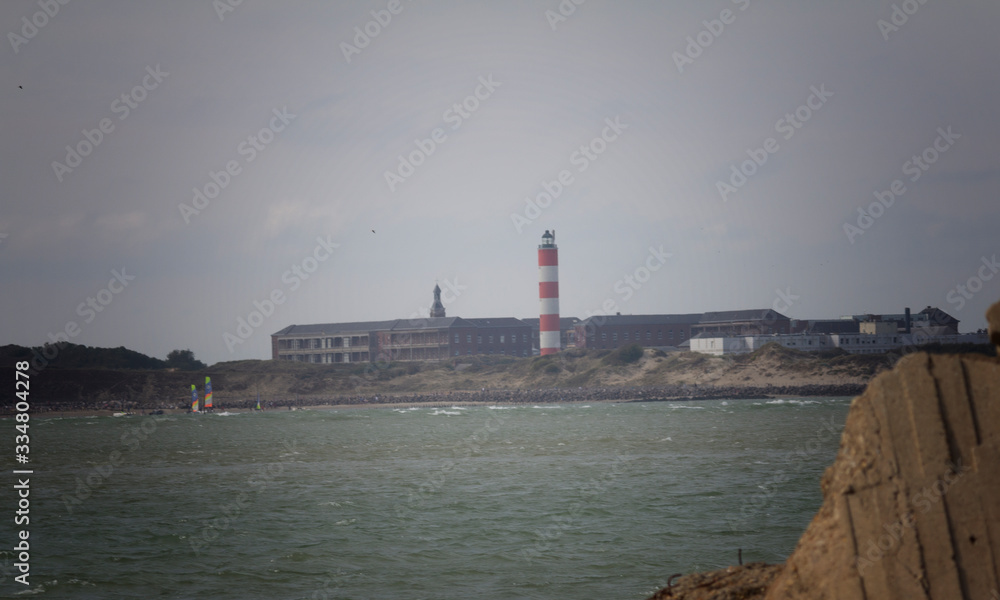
[437,309]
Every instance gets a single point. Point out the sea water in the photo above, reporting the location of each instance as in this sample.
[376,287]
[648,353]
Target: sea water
[553,501]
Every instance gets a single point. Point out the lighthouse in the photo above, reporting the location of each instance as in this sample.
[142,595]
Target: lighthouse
[548,294]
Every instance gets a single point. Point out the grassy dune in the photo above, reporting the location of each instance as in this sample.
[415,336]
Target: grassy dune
[627,366]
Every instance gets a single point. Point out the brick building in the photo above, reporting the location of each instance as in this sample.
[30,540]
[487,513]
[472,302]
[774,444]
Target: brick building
[612,331]
[743,322]
[433,338]
[567,332]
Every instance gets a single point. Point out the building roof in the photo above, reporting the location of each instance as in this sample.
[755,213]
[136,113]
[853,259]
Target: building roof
[733,316]
[931,314]
[498,322]
[630,320]
[398,325]
[336,328]
[426,323]
[938,317]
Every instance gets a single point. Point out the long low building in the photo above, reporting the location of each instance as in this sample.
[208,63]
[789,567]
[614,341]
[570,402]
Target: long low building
[853,343]
[613,331]
[432,338]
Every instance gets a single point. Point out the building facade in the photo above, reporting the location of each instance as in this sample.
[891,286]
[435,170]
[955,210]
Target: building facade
[567,333]
[433,338]
[743,322]
[853,343]
[613,331]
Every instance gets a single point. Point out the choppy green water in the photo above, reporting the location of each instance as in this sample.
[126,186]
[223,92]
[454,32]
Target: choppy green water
[563,501]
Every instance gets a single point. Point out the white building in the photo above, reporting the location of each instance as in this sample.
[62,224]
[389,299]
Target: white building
[854,343]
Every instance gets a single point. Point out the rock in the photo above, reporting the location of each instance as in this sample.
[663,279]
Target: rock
[911,504]
[993,316]
[748,582]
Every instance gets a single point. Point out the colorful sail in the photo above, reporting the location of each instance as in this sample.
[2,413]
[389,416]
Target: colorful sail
[208,392]
[258,401]
[194,398]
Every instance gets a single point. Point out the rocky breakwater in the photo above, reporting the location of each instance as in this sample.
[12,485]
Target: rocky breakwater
[911,504]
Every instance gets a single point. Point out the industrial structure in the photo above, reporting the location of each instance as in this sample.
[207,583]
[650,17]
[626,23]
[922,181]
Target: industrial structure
[548,295]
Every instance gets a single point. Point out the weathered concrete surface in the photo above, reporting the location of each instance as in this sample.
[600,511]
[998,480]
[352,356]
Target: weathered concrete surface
[993,316]
[911,505]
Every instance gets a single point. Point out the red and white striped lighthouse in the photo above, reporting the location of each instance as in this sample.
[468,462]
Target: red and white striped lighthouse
[548,294]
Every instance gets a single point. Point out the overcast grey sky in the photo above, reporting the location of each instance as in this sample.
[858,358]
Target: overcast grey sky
[184,89]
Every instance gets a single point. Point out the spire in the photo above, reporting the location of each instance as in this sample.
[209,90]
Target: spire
[437,309]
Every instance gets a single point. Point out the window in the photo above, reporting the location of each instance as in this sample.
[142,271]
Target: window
[604,337]
[626,336]
[468,338]
[479,339]
[659,334]
[501,339]
[456,338]
[649,335]
[614,336]
[491,341]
